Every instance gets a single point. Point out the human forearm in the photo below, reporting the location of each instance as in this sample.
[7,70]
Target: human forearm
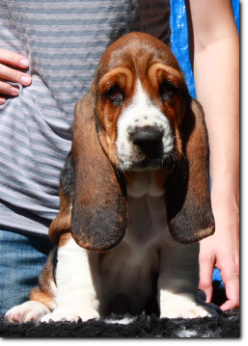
[216,71]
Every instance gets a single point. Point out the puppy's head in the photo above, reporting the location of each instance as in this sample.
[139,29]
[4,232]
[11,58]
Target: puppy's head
[141,98]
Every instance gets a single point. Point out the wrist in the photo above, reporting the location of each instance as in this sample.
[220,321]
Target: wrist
[225,201]
[225,192]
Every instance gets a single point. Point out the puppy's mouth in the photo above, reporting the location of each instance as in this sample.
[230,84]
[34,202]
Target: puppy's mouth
[152,163]
[147,163]
[138,161]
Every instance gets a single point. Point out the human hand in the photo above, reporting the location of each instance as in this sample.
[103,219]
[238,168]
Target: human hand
[12,67]
[221,250]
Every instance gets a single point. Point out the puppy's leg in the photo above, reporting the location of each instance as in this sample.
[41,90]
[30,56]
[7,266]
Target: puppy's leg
[41,298]
[76,283]
[178,283]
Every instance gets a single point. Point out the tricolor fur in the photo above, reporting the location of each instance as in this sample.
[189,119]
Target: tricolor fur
[134,195]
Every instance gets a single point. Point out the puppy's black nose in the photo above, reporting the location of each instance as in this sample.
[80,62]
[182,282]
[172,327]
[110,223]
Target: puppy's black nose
[148,139]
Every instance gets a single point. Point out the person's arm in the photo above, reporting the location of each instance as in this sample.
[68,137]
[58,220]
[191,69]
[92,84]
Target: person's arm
[216,72]
[12,66]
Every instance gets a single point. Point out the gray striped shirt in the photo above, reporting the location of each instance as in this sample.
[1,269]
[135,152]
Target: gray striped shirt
[63,41]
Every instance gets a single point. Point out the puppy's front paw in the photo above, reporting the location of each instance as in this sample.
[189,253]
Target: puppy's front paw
[26,312]
[70,314]
[187,306]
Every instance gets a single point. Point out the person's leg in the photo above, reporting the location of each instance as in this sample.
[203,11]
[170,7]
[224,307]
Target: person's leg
[21,260]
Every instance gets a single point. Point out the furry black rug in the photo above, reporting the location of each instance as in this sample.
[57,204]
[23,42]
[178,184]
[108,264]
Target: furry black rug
[226,325]
[143,326]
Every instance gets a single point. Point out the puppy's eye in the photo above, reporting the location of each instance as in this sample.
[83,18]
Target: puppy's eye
[115,95]
[167,90]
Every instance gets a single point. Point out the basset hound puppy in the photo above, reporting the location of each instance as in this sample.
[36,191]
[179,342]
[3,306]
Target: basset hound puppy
[134,196]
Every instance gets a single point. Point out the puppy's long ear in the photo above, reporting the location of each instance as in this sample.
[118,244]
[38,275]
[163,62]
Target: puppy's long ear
[189,213]
[99,207]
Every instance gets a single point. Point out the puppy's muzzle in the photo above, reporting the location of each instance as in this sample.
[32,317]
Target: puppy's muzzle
[149,140]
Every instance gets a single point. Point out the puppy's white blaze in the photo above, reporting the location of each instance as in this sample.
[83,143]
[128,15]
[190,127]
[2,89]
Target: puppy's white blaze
[141,112]
[74,277]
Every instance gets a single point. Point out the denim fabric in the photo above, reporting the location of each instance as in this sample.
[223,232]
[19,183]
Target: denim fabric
[21,260]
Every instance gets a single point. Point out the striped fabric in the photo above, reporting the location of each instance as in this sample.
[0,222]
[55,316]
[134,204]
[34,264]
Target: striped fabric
[64,41]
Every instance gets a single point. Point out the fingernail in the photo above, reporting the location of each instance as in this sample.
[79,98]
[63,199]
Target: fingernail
[24,63]
[26,80]
[14,91]
[2,101]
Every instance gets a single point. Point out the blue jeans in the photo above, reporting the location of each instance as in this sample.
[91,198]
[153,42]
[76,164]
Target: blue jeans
[21,260]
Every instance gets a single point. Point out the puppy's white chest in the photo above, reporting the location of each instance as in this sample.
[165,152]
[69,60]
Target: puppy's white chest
[146,210]
[135,261]
[147,223]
